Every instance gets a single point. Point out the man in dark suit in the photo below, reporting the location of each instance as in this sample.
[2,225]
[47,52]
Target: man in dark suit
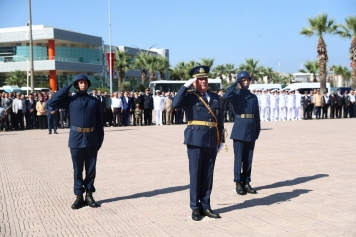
[126,108]
[306,105]
[51,116]
[147,106]
[203,137]
[30,112]
[340,103]
[325,104]
[346,104]
[245,132]
[333,104]
[102,103]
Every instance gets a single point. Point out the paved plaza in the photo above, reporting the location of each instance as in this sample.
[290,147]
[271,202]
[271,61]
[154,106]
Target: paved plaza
[304,171]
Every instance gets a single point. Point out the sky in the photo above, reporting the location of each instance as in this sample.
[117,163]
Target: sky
[230,31]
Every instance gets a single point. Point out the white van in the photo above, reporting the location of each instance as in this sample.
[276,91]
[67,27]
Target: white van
[265,86]
[9,89]
[309,86]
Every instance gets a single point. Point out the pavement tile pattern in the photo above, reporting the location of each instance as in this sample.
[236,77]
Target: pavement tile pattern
[304,172]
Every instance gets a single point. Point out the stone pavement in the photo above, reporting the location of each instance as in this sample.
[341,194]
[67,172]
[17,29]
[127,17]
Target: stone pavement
[304,172]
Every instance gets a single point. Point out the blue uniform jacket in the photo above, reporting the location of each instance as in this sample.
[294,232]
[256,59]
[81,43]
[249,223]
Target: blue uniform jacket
[196,135]
[49,109]
[244,102]
[84,112]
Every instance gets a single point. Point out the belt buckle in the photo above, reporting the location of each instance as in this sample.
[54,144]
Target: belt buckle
[79,129]
[242,116]
[210,124]
[86,130]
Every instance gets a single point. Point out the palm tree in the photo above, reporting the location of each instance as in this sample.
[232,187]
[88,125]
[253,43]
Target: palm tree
[123,63]
[319,26]
[180,69]
[268,72]
[348,31]
[312,67]
[229,70]
[16,78]
[218,71]
[189,66]
[206,62]
[152,65]
[342,72]
[162,66]
[251,67]
[142,64]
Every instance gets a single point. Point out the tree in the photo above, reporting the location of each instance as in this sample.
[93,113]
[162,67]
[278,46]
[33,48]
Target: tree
[312,67]
[347,31]
[180,69]
[189,66]
[126,86]
[206,62]
[142,64]
[266,72]
[319,26]
[219,71]
[343,72]
[123,63]
[229,70]
[163,66]
[251,67]
[152,65]
[16,78]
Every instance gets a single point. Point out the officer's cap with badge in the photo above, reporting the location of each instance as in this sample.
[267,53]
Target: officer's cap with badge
[81,77]
[199,72]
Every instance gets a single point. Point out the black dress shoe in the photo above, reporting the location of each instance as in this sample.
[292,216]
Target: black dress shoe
[196,215]
[79,202]
[239,189]
[211,214]
[50,133]
[249,189]
[55,132]
[90,200]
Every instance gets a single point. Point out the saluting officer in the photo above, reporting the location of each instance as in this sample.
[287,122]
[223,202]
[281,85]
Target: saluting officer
[85,138]
[245,131]
[203,137]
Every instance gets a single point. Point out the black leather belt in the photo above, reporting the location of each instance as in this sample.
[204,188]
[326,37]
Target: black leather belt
[84,130]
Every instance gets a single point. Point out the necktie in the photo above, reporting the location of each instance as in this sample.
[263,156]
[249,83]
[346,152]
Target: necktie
[204,97]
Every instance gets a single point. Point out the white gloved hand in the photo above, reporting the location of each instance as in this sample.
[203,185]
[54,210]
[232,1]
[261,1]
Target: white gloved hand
[190,82]
[220,147]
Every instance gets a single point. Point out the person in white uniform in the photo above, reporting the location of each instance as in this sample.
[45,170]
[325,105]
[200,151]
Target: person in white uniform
[264,105]
[273,105]
[298,105]
[282,106]
[158,103]
[291,105]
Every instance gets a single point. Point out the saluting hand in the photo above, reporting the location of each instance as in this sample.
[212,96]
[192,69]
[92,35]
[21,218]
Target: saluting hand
[190,82]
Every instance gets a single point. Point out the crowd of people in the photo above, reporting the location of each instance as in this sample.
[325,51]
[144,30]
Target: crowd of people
[284,105]
[135,108]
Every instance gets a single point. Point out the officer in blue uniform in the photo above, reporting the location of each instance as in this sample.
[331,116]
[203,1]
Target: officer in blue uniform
[85,138]
[245,131]
[203,137]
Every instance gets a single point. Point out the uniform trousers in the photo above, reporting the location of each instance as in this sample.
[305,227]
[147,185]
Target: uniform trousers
[264,113]
[297,113]
[282,113]
[274,114]
[84,157]
[291,114]
[52,122]
[147,116]
[243,152]
[158,117]
[168,117]
[201,171]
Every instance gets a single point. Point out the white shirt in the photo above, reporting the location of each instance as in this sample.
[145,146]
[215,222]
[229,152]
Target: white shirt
[116,103]
[352,98]
[158,103]
[19,104]
[326,99]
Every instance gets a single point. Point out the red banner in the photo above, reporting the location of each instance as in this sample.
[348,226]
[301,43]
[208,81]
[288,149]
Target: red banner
[112,61]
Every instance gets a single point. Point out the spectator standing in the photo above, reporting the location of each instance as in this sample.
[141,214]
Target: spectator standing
[19,110]
[41,113]
[51,116]
[126,108]
[158,107]
[102,103]
[311,106]
[30,112]
[333,104]
[298,105]
[325,105]
[346,104]
[317,103]
[6,103]
[352,104]
[168,108]
[107,111]
[340,103]
[306,105]
[148,106]
[116,107]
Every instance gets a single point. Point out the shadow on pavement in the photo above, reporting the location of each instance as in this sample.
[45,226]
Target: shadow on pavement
[292,182]
[117,130]
[265,201]
[147,194]
[266,128]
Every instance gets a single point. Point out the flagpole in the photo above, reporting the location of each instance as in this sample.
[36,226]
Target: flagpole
[110,53]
